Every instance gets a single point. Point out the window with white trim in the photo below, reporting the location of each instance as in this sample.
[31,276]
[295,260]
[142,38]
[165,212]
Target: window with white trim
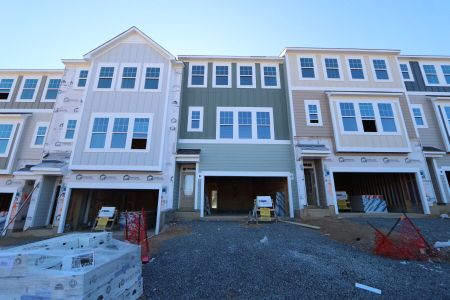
[313,113]
[5,138]
[356,68]
[6,86]
[152,78]
[129,75]
[52,89]
[195,119]
[307,68]
[446,72]
[39,135]
[198,75]
[245,123]
[82,78]
[447,114]
[120,132]
[387,117]
[348,116]
[246,75]
[380,69]
[332,68]
[106,76]
[419,116]
[406,74]
[71,125]
[270,76]
[431,74]
[29,89]
[369,123]
[222,75]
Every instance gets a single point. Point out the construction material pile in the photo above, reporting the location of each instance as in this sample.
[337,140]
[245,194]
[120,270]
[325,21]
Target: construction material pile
[75,266]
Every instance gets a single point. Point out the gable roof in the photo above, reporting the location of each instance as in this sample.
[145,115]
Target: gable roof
[117,39]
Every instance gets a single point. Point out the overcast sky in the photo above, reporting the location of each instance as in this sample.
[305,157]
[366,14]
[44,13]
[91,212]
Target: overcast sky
[37,34]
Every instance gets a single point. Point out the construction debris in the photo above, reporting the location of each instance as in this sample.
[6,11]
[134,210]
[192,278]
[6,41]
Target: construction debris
[368,288]
[444,216]
[264,240]
[442,244]
[75,266]
[301,224]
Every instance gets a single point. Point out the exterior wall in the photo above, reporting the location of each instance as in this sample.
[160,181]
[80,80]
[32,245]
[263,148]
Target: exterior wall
[419,84]
[124,102]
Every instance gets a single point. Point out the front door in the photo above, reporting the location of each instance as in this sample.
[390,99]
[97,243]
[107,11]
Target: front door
[310,184]
[187,187]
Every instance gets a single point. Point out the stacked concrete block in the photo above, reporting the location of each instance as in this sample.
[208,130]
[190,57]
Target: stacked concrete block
[76,266]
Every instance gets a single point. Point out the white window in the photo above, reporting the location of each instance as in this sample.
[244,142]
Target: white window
[431,74]
[380,69]
[244,124]
[119,132]
[6,88]
[82,78]
[195,119]
[106,77]
[447,117]
[152,77]
[221,75]
[29,89]
[368,117]
[356,69]
[198,75]
[129,76]
[40,133]
[313,113]
[406,72]
[332,68]
[446,73]
[419,116]
[51,90]
[6,135]
[70,125]
[270,76]
[307,68]
[246,75]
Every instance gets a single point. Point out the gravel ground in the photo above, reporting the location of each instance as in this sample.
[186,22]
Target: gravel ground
[227,260]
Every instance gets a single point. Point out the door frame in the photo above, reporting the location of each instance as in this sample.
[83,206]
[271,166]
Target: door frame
[195,183]
[9,190]
[313,167]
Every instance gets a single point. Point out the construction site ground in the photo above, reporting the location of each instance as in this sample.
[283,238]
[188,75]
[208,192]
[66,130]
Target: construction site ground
[233,260]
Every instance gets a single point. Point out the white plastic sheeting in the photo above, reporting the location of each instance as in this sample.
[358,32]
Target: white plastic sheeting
[75,266]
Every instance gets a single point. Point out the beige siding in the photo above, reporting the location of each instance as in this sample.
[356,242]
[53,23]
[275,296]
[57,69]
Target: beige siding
[409,123]
[430,136]
[294,67]
[25,152]
[303,130]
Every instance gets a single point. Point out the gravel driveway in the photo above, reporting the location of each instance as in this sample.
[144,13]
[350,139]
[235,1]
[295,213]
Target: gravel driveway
[227,260]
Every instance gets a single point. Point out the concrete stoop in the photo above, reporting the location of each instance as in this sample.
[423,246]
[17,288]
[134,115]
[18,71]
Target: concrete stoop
[186,215]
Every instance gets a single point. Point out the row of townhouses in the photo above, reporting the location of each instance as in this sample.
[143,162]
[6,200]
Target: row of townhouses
[132,126]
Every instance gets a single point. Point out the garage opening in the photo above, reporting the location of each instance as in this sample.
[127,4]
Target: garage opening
[235,195]
[85,203]
[5,202]
[377,192]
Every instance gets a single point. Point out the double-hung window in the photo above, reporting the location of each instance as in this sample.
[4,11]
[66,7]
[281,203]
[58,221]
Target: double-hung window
[129,75]
[380,68]
[195,119]
[405,72]
[263,125]
[313,113]
[105,79]
[269,76]
[387,117]
[39,135]
[140,133]
[82,78]
[245,124]
[348,116]
[368,120]
[99,131]
[71,125]
[307,68]
[6,85]
[356,68]
[152,77]
[419,117]
[430,74]
[222,75]
[226,124]
[198,76]
[246,76]
[5,138]
[446,72]
[119,133]
[29,89]
[52,89]
[332,68]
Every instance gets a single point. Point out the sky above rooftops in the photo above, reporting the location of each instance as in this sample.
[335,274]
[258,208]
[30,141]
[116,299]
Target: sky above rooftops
[38,34]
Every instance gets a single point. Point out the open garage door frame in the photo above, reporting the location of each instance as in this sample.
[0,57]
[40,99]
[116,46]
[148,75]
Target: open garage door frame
[109,186]
[416,171]
[287,175]
[13,191]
